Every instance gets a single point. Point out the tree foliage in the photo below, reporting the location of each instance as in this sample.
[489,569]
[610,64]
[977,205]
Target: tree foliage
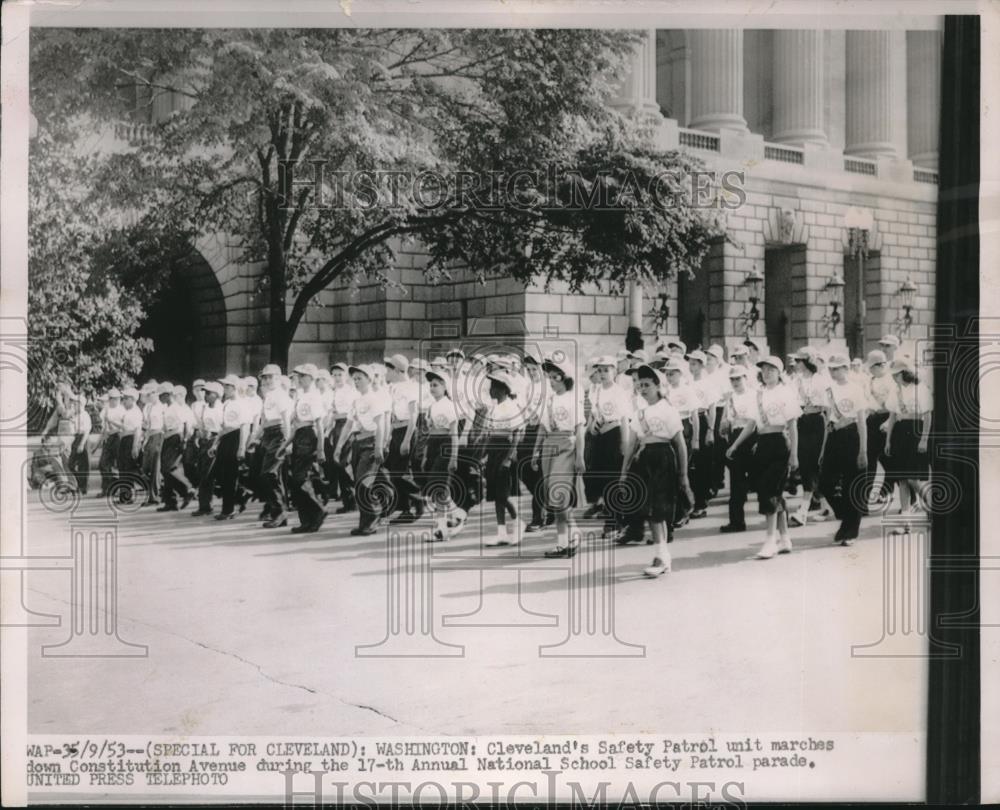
[251,109]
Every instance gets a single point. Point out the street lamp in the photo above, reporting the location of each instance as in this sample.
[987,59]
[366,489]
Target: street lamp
[859,223]
[906,293]
[834,291]
[661,313]
[754,282]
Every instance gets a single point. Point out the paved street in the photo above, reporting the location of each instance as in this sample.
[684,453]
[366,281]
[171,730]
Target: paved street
[253,631]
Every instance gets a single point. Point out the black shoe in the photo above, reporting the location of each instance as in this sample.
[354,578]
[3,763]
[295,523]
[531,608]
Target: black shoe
[318,523]
[277,522]
[729,527]
[561,551]
[190,496]
[167,507]
[363,532]
[225,516]
[201,512]
[698,513]
[403,517]
[301,529]
[532,527]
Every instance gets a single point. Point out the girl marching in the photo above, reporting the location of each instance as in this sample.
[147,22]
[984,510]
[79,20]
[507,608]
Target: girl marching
[909,435]
[559,452]
[657,459]
[441,453]
[775,455]
[505,426]
[813,390]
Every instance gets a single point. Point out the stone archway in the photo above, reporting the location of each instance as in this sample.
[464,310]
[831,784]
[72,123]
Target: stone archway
[187,324]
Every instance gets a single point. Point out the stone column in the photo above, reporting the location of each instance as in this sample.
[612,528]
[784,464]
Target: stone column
[717,79]
[923,96]
[798,87]
[870,83]
[637,93]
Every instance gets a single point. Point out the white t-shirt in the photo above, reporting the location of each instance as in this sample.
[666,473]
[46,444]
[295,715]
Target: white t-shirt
[234,414]
[657,421]
[402,394]
[343,399]
[683,399]
[366,407]
[111,418]
[611,404]
[814,392]
[777,405]
[131,420]
[706,393]
[174,417]
[442,414]
[564,411]
[276,405]
[154,416]
[882,391]
[211,417]
[742,408]
[847,399]
[912,400]
[505,415]
[309,406]
[253,406]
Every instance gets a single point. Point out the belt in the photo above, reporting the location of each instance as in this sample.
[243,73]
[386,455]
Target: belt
[643,442]
[811,409]
[398,423]
[364,434]
[227,431]
[604,428]
[767,430]
[340,418]
[270,423]
[168,434]
[843,423]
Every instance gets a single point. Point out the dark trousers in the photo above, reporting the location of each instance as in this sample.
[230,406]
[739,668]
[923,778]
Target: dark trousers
[79,463]
[151,465]
[840,480]
[175,482]
[206,474]
[305,477]
[531,478]
[398,467]
[739,478]
[128,469]
[227,469]
[338,475]
[370,482]
[191,459]
[605,470]
[701,464]
[718,454]
[270,487]
[108,461]
[876,450]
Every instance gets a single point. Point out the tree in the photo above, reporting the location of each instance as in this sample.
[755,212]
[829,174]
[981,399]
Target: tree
[261,112]
[81,320]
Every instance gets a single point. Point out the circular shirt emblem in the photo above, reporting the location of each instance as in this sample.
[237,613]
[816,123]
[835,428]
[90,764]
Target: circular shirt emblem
[232,413]
[607,408]
[560,413]
[656,424]
[364,406]
[441,421]
[773,410]
[845,404]
[305,410]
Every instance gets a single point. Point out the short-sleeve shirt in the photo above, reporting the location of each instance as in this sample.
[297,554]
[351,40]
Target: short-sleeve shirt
[505,416]
[706,393]
[276,405]
[657,421]
[253,406]
[366,408]
[131,420]
[813,391]
[847,399]
[234,414]
[442,414]
[309,407]
[211,417]
[402,394]
[154,416]
[563,412]
[174,417]
[777,405]
[742,408]
[611,404]
[912,401]
[882,391]
[343,399]
[82,423]
[683,398]
[112,419]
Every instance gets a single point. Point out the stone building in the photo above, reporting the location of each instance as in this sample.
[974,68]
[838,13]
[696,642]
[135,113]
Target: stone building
[832,129]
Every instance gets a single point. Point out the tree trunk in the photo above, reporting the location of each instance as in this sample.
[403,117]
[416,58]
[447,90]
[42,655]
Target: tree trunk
[281,340]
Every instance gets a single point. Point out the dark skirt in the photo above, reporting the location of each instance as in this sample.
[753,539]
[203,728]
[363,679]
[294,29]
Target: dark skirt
[654,474]
[811,430]
[501,482]
[436,481]
[906,461]
[770,467]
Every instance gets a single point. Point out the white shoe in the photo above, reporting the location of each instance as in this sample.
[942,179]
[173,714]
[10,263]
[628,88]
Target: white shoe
[514,532]
[501,538]
[768,550]
[784,544]
[659,566]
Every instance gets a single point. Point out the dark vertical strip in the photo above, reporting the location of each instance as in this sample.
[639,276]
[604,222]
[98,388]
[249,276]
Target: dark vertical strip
[953,730]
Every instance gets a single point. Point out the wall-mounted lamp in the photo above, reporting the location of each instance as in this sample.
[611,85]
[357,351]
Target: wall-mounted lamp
[754,282]
[906,293]
[834,298]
